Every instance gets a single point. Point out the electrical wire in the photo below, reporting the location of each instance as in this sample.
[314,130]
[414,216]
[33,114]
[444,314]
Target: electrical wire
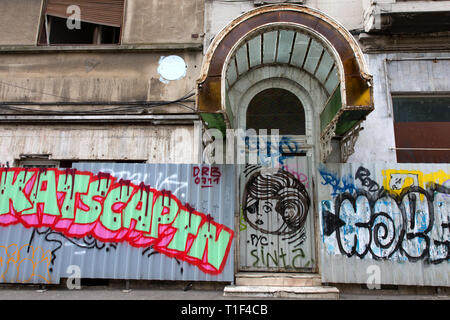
[137,106]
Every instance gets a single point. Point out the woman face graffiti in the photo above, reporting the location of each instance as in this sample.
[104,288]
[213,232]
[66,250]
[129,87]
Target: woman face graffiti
[275,204]
[262,214]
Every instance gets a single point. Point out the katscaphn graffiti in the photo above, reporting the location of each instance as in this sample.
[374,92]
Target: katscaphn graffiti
[79,204]
[381,223]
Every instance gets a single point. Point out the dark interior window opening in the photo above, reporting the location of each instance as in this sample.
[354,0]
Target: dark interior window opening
[89,33]
[100,22]
[276,109]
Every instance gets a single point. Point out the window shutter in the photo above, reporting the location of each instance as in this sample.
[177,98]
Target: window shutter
[104,12]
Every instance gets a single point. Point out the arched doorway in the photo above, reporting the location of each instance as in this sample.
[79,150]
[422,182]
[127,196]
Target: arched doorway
[307,53]
[304,40]
[276,218]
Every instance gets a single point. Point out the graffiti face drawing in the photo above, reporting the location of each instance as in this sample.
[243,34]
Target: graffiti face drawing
[275,203]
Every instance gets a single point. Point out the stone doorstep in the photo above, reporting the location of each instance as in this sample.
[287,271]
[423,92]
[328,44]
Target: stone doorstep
[328,293]
[278,279]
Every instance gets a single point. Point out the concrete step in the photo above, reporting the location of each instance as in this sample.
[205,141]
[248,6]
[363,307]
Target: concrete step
[316,292]
[278,279]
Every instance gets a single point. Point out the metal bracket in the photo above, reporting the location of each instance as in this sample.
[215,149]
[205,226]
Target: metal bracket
[325,140]
[348,142]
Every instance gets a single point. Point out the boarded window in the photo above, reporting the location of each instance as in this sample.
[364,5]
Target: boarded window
[422,129]
[100,22]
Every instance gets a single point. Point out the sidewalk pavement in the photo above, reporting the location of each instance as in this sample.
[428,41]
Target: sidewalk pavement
[105,293]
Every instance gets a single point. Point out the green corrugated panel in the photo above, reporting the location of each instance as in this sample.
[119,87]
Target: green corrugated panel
[348,120]
[331,109]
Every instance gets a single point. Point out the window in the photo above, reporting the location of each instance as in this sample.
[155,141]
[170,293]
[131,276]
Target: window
[276,109]
[422,129]
[38,164]
[100,22]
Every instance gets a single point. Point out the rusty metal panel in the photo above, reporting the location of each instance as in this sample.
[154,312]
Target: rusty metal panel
[117,221]
[422,142]
[385,223]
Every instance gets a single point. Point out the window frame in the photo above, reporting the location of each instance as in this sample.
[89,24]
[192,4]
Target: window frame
[43,36]
[401,149]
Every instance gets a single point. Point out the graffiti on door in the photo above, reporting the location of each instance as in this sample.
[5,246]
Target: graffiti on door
[274,212]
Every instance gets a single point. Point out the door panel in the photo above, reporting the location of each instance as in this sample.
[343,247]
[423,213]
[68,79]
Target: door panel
[276,220]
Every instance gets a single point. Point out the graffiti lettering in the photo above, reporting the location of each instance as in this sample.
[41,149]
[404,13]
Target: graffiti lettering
[206,176]
[267,153]
[363,175]
[274,257]
[335,182]
[387,225]
[79,204]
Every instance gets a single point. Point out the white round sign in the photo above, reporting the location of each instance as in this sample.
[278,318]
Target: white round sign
[171,68]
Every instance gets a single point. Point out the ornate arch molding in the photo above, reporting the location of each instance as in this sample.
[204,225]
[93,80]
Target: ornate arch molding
[347,106]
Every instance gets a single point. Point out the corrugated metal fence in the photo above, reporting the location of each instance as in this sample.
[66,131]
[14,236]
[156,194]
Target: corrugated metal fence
[49,251]
[385,223]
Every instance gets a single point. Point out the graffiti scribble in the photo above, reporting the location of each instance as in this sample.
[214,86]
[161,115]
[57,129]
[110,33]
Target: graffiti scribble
[23,264]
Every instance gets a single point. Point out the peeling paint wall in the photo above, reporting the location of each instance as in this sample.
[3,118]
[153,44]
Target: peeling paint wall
[391,218]
[153,144]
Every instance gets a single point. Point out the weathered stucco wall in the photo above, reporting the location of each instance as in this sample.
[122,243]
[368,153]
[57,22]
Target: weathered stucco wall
[423,77]
[145,21]
[154,144]
[156,21]
[19,21]
[219,13]
[348,12]
[102,76]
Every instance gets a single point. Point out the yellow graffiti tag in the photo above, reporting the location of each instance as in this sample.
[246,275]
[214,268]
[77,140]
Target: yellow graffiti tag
[396,180]
[22,264]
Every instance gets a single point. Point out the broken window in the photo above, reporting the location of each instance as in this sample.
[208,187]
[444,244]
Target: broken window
[77,22]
